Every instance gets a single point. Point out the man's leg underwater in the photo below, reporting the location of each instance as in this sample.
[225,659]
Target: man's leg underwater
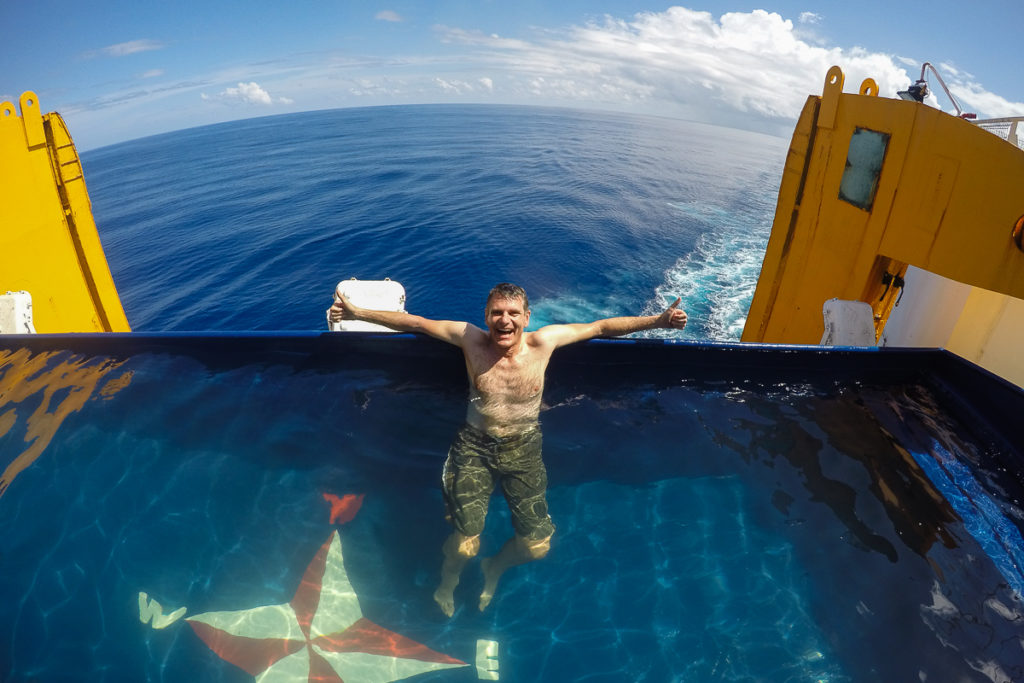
[517,550]
[524,483]
[458,550]
[466,483]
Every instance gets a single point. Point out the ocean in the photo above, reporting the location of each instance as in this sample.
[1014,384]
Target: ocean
[249,225]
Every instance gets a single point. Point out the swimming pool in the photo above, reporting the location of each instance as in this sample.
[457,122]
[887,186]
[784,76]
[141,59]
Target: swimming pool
[724,513]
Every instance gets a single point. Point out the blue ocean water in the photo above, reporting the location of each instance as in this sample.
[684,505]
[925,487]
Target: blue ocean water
[249,225]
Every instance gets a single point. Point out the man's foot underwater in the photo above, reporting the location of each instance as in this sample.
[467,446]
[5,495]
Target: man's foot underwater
[491,577]
[445,599]
[444,596]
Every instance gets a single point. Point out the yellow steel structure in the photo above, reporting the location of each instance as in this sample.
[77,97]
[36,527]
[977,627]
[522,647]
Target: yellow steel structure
[929,190]
[48,241]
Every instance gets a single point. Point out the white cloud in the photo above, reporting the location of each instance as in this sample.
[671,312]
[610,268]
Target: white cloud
[745,66]
[382,88]
[152,73]
[388,15]
[749,70]
[250,93]
[129,48]
[745,69]
[454,87]
[457,35]
[809,18]
[974,98]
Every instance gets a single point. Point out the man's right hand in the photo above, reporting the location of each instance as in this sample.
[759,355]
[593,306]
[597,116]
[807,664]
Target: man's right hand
[341,309]
[450,331]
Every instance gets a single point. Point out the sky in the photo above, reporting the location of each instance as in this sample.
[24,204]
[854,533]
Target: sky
[122,69]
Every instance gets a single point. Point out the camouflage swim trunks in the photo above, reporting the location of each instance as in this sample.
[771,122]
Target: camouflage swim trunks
[476,460]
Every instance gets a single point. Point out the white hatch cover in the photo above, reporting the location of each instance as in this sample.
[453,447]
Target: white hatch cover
[380,295]
[16,313]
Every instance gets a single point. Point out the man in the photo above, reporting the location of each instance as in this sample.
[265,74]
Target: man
[501,440]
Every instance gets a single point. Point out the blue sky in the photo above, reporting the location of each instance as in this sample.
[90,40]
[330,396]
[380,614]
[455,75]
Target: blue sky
[119,69]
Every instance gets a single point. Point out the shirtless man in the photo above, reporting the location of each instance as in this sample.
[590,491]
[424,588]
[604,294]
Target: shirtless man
[501,440]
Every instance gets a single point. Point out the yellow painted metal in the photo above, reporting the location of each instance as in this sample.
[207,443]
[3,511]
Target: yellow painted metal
[947,200]
[988,334]
[48,240]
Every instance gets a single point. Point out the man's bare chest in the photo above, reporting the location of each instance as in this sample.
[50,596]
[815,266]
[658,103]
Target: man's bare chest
[515,379]
[511,382]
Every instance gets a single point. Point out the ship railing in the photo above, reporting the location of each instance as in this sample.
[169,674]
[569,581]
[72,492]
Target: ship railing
[1007,128]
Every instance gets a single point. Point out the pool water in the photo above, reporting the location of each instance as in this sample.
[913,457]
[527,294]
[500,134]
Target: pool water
[709,528]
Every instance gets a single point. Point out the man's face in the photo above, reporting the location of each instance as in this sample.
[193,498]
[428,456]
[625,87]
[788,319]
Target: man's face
[506,320]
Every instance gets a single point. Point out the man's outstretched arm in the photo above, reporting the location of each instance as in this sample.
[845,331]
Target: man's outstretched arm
[560,335]
[451,331]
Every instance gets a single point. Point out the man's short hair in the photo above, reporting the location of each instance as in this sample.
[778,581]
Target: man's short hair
[507,290]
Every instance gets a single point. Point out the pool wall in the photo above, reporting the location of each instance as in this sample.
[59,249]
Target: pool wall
[971,392]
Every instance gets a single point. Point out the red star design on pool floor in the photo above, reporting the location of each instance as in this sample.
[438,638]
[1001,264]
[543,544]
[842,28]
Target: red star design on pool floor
[321,635]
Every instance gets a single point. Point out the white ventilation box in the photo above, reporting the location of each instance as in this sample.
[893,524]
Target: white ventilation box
[848,323]
[16,313]
[379,295]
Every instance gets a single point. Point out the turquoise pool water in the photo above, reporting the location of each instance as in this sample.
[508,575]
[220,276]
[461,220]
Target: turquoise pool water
[712,526]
